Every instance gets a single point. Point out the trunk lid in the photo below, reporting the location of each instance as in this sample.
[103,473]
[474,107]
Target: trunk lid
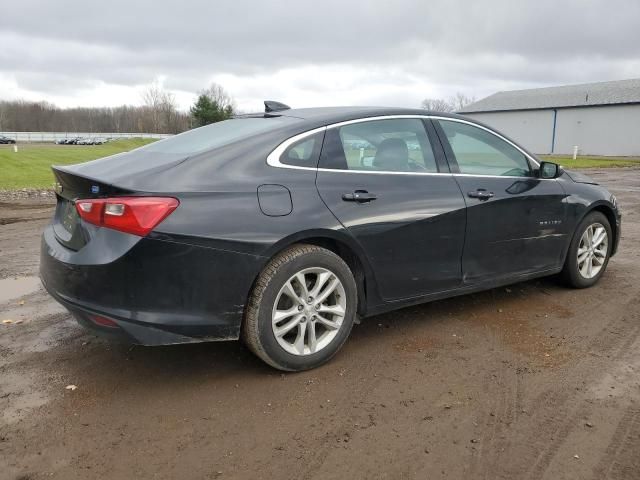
[122,174]
[68,228]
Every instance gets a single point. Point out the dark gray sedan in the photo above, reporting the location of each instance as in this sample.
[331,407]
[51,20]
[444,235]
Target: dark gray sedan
[281,228]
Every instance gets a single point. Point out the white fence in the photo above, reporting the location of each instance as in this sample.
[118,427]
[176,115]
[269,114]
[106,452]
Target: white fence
[53,136]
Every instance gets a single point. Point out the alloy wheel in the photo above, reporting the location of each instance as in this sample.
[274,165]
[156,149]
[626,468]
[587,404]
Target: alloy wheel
[592,250]
[308,311]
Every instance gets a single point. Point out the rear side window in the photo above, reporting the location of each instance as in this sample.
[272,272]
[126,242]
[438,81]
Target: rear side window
[217,135]
[303,153]
[394,145]
[479,152]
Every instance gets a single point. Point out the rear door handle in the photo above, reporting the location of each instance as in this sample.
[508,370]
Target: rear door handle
[360,196]
[481,194]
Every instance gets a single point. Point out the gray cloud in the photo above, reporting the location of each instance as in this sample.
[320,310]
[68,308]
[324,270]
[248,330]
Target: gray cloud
[56,48]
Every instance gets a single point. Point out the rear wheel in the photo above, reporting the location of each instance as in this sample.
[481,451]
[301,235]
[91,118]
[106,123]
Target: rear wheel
[589,251]
[301,309]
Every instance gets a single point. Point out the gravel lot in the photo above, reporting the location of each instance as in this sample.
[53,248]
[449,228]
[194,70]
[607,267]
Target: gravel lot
[529,382]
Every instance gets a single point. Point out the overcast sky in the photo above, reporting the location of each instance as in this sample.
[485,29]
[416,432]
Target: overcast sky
[310,53]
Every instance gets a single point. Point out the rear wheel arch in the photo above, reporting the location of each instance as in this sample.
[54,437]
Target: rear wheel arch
[354,262]
[344,248]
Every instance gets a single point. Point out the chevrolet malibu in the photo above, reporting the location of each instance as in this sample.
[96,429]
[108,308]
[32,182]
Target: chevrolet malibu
[281,228]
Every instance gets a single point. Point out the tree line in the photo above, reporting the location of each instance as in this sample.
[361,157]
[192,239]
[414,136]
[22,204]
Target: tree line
[159,113]
[447,105]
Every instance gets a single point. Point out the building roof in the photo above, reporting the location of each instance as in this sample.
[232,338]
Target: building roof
[583,95]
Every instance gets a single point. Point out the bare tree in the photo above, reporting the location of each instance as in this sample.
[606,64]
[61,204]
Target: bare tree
[460,100]
[152,97]
[162,115]
[218,95]
[169,109]
[3,116]
[454,104]
[437,105]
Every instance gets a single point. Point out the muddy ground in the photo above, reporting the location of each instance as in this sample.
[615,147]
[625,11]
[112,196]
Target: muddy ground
[529,382]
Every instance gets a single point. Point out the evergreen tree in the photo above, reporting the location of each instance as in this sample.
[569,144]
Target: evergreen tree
[211,106]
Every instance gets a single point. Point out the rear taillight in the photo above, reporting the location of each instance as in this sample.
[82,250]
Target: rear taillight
[136,215]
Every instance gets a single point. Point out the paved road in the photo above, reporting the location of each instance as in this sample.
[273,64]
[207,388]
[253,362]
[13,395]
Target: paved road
[530,382]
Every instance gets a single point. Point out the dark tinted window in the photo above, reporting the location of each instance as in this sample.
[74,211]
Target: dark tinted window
[394,145]
[303,153]
[479,152]
[217,135]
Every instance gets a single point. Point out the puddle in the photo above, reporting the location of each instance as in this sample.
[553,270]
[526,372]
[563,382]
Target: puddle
[18,287]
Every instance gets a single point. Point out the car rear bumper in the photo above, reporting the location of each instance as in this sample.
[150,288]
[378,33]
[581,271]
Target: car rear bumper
[158,292]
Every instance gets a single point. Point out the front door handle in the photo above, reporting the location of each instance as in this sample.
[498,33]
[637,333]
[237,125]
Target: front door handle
[481,194]
[360,196]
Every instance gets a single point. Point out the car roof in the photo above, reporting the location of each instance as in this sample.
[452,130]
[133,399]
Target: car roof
[340,114]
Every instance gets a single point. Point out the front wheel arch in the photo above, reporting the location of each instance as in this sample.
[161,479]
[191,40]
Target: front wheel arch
[608,212]
[569,273]
[610,215]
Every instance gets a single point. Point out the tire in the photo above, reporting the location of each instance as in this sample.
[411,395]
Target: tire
[575,273]
[271,299]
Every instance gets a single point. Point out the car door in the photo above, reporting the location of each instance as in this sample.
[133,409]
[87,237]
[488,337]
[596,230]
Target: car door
[515,220]
[384,182]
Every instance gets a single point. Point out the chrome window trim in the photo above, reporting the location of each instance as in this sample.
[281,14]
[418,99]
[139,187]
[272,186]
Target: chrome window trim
[273,159]
[493,133]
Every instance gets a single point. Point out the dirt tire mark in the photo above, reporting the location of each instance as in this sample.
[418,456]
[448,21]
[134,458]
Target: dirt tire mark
[621,459]
[563,429]
[502,412]
[558,402]
[560,434]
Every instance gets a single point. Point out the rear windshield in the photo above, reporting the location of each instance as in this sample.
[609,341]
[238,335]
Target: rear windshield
[216,135]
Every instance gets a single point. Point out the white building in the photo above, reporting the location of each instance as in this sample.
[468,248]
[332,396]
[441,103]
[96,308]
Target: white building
[600,118]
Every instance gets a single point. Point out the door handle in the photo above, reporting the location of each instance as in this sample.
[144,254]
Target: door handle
[360,196]
[481,194]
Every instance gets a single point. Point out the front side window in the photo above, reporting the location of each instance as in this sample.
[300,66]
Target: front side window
[395,145]
[479,152]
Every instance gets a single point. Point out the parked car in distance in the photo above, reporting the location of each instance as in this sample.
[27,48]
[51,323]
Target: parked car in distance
[81,141]
[271,228]
[6,140]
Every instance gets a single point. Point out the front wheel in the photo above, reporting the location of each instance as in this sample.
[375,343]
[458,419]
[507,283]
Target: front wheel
[589,251]
[301,309]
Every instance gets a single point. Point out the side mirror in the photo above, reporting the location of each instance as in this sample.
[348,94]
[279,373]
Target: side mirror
[550,170]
